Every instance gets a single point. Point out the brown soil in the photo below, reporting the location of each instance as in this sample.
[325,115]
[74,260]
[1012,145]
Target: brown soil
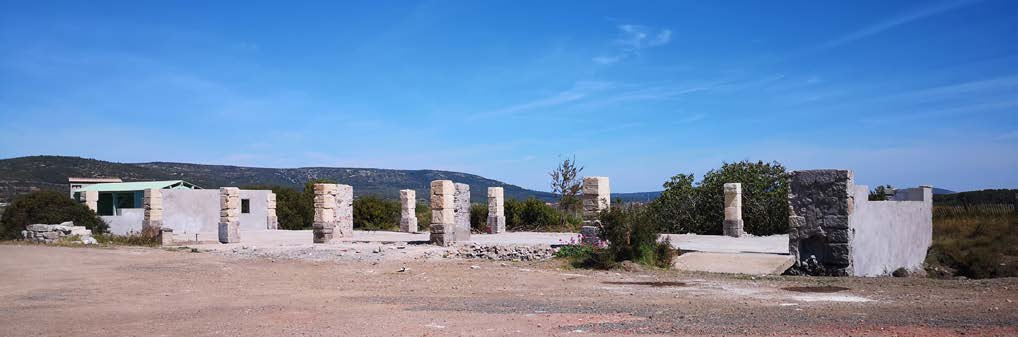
[150,291]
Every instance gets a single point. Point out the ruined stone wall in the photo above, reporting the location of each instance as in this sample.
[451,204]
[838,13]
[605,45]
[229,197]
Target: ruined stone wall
[461,199]
[835,230]
[408,211]
[443,212]
[496,210]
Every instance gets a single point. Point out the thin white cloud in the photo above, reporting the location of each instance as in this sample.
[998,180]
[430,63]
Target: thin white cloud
[579,91]
[880,27]
[632,40]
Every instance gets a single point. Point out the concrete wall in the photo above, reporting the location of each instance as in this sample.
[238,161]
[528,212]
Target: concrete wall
[128,222]
[891,234]
[192,211]
[257,219]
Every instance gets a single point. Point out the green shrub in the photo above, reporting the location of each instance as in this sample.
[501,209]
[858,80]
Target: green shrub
[686,207]
[376,213]
[479,218]
[127,240]
[632,235]
[423,217]
[293,209]
[534,215]
[47,207]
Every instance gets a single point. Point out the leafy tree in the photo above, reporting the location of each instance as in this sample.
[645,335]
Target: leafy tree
[47,207]
[764,196]
[479,217]
[566,183]
[375,213]
[530,215]
[423,216]
[675,209]
[880,193]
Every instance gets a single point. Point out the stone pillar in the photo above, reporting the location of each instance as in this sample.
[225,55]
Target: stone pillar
[153,221]
[325,212]
[344,211]
[271,221]
[596,198]
[91,200]
[462,216]
[733,225]
[229,215]
[820,208]
[443,213]
[496,210]
[408,211]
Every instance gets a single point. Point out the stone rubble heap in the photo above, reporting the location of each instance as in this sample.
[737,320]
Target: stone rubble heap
[506,253]
[43,233]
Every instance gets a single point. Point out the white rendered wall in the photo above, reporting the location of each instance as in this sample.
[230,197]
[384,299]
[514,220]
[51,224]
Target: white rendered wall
[891,234]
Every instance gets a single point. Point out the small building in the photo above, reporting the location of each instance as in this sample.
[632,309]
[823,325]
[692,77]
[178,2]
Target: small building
[77,183]
[186,208]
[120,195]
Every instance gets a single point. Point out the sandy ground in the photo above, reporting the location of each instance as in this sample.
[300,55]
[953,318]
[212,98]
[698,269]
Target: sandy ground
[152,291]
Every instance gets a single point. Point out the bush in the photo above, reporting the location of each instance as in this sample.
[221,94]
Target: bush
[376,213]
[632,234]
[685,207]
[534,215]
[47,207]
[293,209]
[423,217]
[479,218]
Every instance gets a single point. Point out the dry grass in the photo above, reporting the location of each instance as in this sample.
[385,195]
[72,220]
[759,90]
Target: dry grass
[975,245]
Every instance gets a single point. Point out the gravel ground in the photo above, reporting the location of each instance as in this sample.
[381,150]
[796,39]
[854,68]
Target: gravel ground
[151,291]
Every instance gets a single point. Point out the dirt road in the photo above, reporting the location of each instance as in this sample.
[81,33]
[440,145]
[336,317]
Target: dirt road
[148,291]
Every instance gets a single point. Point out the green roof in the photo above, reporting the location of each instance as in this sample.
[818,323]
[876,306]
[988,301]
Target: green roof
[139,186]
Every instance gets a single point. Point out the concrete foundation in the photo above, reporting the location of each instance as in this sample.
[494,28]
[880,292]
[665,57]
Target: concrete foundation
[496,210]
[835,230]
[408,211]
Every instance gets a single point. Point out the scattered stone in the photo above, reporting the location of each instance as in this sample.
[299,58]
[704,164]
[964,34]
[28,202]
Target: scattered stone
[43,233]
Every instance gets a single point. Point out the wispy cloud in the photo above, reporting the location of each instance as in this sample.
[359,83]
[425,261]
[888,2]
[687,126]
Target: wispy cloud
[579,91]
[915,14]
[632,40]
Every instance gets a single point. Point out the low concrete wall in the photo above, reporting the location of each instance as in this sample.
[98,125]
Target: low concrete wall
[128,222]
[891,234]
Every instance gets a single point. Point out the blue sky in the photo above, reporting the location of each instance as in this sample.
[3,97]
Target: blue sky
[902,92]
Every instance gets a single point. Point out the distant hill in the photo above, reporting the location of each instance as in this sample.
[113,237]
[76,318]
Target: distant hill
[992,196]
[25,174]
[937,191]
[642,197]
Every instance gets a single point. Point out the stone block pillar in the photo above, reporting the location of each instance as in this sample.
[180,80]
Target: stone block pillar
[408,211]
[344,211]
[462,217]
[596,198]
[153,221]
[325,213]
[91,200]
[271,221]
[733,225]
[820,204]
[443,212]
[496,210]
[229,215]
